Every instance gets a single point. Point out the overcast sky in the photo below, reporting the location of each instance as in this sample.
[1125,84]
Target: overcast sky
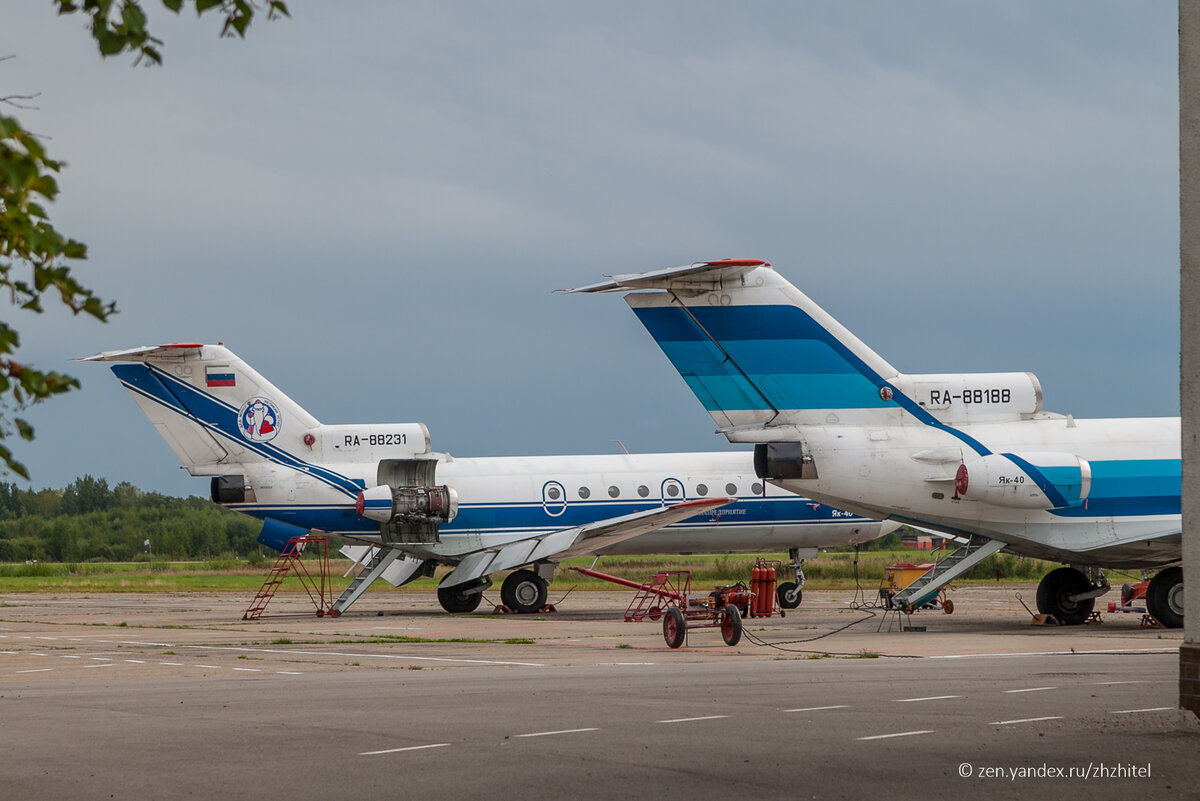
[372,202]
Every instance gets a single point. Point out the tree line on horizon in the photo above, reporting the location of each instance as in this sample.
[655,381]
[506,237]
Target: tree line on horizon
[88,521]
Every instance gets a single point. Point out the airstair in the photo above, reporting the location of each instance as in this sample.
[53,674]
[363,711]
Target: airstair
[929,584]
[380,560]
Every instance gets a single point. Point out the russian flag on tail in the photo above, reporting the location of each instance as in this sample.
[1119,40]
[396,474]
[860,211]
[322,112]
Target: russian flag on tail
[219,376]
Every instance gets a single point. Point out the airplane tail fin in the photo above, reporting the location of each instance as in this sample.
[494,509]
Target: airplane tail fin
[211,407]
[755,350]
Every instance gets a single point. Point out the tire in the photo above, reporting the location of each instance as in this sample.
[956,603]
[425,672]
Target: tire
[674,627]
[1164,597]
[524,592]
[1053,596]
[731,626]
[789,594]
[457,601]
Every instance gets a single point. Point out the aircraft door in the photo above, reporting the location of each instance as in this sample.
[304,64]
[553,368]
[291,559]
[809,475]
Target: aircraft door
[672,491]
[554,498]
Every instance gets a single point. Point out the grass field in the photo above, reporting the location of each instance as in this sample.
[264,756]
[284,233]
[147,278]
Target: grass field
[832,570]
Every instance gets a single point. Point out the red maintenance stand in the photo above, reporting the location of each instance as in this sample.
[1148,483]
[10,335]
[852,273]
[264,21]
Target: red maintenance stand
[667,595]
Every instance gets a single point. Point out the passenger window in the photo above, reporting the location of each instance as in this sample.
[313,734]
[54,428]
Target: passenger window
[643,490]
[585,493]
[756,488]
[701,490]
[672,490]
[553,493]
[731,489]
[613,491]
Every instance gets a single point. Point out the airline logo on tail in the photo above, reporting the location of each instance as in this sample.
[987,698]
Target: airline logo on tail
[258,420]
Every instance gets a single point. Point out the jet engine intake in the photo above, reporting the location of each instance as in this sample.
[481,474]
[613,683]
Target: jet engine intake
[408,504]
[784,460]
[1025,480]
[231,489]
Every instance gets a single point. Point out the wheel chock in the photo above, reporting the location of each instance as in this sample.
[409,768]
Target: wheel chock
[1044,620]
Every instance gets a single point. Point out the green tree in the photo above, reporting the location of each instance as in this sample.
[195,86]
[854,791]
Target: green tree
[35,257]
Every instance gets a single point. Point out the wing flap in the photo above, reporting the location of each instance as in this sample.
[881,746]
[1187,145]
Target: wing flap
[576,541]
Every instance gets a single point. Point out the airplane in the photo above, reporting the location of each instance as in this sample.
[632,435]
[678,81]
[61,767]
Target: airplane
[974,456]
[405,509]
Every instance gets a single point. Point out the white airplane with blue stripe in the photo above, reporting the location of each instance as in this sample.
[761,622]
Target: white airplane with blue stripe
[971,455]
[409,510]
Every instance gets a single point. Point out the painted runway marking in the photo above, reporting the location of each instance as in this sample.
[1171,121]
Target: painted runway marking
[101,658]
[1151,709]
[288,673]
[155,644]
[818,708]
[410,748]
[689,720]
[1133,681]
[36,670]
[1031,690]
[47,638]
[1174,650]
[69,656]
[14,653]
[401,657]
[929,698]
[208,667]
[897,734]
[136,661]
[1024,720]
[172,664]
[106,664]
[552,733]
[249,670]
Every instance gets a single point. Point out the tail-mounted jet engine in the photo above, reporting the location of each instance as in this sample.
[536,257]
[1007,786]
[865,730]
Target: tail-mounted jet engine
[231,489]
[1025,480]
[781,460]
[407,502]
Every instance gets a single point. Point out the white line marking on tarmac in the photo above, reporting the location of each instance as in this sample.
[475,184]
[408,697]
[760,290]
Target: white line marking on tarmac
[929,698]
[401,657]
[1151,709]
[172,664]
[249,670]
[209,667]
[410,748]
[10,652]
[101,658]
[818,708]
[551,733]
[1031,690]
[106,664]
[1174,650]
[1134,681]
[897,734]
[157,644]
[69,656]
[47,638]
[288,673]
[136,661]
[689,720]
[36,670]
[1024,720]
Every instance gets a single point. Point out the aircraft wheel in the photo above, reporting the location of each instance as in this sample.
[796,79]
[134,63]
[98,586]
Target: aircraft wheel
[1053,596]
[457,601]
[524,592]
[731,626]
[674,627]
[789,594]
[1164,597]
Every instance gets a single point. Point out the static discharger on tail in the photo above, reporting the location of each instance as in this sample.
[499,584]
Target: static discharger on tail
[405,510]
[971,455]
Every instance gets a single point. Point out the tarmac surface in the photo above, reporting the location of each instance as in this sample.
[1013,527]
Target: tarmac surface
[173,695]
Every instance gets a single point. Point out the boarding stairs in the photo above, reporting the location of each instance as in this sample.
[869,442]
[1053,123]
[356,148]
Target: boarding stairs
[380,560]
[931,582]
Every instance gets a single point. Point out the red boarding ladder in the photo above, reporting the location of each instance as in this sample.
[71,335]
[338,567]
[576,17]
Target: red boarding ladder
[320,589]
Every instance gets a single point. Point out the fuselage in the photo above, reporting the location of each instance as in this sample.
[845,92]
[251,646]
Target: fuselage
[506,498]
[1129,519]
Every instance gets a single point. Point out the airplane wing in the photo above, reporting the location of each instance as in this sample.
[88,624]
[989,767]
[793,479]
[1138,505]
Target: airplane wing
[576,541]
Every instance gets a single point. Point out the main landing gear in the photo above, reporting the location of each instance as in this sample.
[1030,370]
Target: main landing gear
[463,599]
[524,592]
[1069,594]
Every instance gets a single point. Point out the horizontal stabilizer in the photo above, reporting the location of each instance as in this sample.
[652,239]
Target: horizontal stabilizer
[703,272]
